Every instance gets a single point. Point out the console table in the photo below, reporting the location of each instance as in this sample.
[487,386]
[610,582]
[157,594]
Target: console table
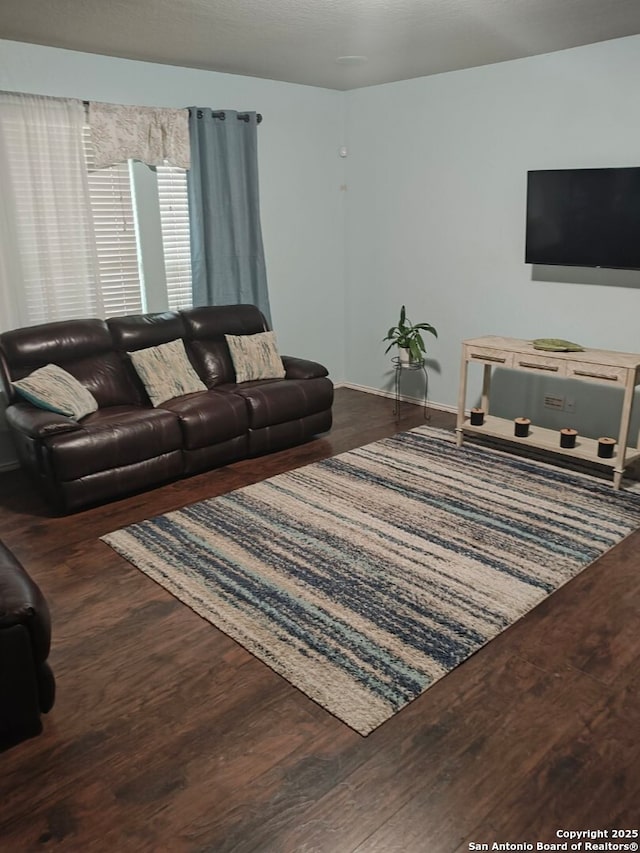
[618,369]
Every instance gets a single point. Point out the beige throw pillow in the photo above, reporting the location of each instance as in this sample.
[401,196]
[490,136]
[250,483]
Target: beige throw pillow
[255,356]
[52,388]
[166,372]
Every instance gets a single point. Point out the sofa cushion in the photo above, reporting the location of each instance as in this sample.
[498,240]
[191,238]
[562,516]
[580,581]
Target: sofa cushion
[166,372]
[52,388]
[281,400]
[113,438]
[110,378]
[205,330]
[212,361]
[141,331]
[255,356]
[53,343]
[209,417]
[214,322]
[81,347]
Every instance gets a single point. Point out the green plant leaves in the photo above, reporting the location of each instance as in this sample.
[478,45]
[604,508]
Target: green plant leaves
[407,335]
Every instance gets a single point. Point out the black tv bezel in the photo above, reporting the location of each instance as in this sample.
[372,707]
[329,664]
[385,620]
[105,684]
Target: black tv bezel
[605,263]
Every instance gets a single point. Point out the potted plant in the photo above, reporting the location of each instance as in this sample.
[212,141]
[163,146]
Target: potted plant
[407,336]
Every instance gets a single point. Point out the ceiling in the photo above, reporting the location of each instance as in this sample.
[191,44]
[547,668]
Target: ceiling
[300,41]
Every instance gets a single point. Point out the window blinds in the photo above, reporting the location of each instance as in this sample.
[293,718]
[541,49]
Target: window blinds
[174,220]
[115,235]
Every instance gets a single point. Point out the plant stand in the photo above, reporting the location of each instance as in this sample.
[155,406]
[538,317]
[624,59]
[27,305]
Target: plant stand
[413,366]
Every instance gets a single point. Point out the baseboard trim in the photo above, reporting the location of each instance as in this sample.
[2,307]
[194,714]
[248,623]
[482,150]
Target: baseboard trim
[404,398]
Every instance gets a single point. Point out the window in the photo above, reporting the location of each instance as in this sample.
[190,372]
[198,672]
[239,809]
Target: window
[115,236]
[174,222]
[73,238]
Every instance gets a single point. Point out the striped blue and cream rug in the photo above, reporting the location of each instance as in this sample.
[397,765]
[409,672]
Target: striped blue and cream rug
[365,578]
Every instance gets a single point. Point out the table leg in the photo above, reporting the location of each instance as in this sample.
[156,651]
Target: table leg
[486,388]
[623,435]
[462,397]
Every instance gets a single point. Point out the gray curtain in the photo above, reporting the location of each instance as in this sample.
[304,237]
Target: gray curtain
[227,255]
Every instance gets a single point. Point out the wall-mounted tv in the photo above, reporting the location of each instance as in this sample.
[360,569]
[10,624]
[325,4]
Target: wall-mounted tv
[584,217]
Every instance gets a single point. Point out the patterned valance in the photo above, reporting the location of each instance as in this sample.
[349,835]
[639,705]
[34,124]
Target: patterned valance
[157,136]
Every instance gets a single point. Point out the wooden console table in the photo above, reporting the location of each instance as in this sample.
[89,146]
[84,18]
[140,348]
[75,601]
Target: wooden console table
[619,369]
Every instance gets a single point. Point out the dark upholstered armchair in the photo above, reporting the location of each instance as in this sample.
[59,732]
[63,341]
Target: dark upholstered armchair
[27,685]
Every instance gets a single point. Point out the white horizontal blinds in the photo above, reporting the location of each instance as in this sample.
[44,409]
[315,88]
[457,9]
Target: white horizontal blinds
[174,220]
[115,235]
[44,184]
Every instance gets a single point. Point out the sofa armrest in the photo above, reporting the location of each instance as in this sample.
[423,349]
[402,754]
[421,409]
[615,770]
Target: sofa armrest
[22,603]
[38,423]
[27,685]
[301,368]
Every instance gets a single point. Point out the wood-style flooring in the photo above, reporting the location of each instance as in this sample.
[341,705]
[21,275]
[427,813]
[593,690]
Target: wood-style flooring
[168,736]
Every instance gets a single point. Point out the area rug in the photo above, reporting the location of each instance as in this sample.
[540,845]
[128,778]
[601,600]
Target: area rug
[365,578]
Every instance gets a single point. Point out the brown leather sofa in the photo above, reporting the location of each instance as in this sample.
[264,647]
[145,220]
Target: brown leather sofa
[27,685]
[127,444]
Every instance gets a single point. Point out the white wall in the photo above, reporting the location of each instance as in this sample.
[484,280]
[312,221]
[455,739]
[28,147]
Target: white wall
[436,213]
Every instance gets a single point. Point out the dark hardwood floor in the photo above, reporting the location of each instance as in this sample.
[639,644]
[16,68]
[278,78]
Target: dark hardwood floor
[167,736]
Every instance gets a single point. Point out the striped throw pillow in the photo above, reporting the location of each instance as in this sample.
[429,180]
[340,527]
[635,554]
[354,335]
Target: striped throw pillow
[52,388]
[255,356]
[166,372]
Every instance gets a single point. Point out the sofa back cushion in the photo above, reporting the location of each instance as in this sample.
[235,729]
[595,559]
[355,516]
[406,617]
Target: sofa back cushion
[205,330]
[135,332]
[141,331]
[81,347]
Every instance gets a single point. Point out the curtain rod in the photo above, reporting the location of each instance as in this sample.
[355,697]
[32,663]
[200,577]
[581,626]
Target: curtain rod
[218,114]
[241,116]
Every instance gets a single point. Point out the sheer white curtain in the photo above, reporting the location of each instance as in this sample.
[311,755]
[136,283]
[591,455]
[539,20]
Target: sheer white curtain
[48,266]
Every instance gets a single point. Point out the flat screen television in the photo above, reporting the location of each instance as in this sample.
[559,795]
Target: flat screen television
[584,217]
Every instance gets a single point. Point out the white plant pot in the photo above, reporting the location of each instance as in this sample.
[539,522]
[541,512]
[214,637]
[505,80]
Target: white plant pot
[404,355]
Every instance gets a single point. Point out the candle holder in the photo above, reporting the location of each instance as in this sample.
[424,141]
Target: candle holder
[605,447]
[477,417]
[568,437]
[521,427]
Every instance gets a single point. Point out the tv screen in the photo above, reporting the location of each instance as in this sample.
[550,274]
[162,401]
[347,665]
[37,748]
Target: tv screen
[584,217]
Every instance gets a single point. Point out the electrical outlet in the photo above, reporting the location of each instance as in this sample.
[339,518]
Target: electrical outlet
[570,406]
[551,402]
